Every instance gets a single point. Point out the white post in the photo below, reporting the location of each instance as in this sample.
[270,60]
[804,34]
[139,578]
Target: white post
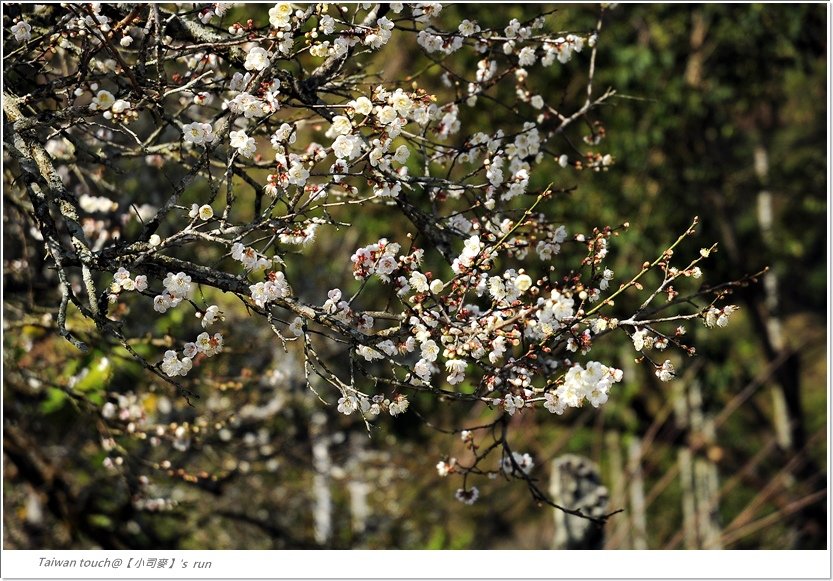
[322,464]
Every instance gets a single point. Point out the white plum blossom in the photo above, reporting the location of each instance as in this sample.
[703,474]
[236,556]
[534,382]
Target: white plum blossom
[513,403]
[471,249]
[340,126]
[388,348]
[346,146]
[401,102]
[369,353]
[715,317]
[248,105]
[523,282]
[172,366]
[362,106]
[385,266]
[523,461]
[120,106]
[641,340]
[280,15]
[551,315]
[419,282]
[430,350]
[486,70]
[607,276]
[244,144]
[161,303]
[386,115]
[333,298]
[424,369]
[239,81]
[326,24]
[526,56]
[121,276]
[388,190]
[591,383]
[102,101]
[511,30]
[211,314]
[498,349]
[467,496]
[209,344]
[177,285]
[296,327]
[666,371]
[553,403]
[398,406]
[401,154]
[205,212]
[297,174]
[381,34]
[495,172]
[272,290]
[257,59]
[468,28]
[238,138]
[348,404]
[509,326]
[284,134]
[378,259]
[456,369]
[497,289]
[22,31]
[190,350]
[251,259]
[198,133]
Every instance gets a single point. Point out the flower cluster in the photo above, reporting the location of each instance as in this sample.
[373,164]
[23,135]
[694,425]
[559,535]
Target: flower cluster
[198,133]
[250,107]
[273,289]
[244,144]
[204,212]
[471,250]
[591,383]
[205,344]
[524,462]
[126,408]
[715,317]
[666,371]
[251,259]
[177,287]
[123,281]
[372,406]
[379,259]
[172,365]
[94,204]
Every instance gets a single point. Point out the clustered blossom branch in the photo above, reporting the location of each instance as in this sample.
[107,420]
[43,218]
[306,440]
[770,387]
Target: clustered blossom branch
[227,103]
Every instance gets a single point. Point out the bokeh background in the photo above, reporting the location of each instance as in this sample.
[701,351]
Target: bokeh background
[720,112]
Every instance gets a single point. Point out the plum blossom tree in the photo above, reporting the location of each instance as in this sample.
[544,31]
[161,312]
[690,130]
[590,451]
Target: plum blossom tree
[185,164]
